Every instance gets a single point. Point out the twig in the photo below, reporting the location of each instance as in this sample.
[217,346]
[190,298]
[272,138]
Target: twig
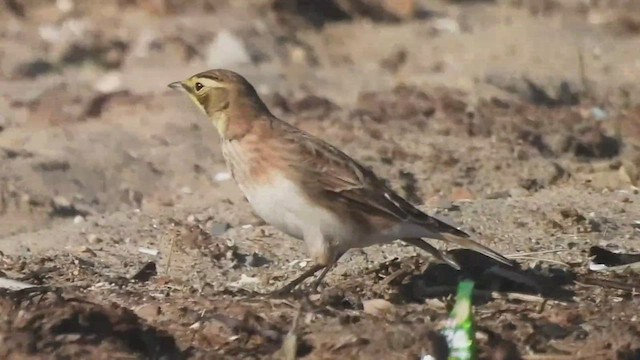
[541,259]
[171,248]
[609,284]
[596,355]
[514,296]
[393,276]
[14,284]
[495,295]
[583,71]
[547,357]
[550,251]
[289,347]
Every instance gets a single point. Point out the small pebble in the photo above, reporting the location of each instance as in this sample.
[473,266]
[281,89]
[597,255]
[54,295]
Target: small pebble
[60,202]
[222,176]
[219,228]
[109,83]
[93,239]
[148,251]
[148,311]
[377,306]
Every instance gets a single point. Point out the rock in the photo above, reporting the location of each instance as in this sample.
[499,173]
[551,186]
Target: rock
[629,173]
[93,239]
[109,82]
[518,192]
[148,311]
[447,25]
[65,6]
[400,9]
[599,113]
[79,219]
[61,203]
[148,251]
[462,194]
[227,50]
[245,281]
[218,229]
[87,250]
[222,176]
[377,307]
[298,55]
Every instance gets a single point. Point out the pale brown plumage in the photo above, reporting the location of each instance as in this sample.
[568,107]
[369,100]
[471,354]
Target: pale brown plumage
[307,187]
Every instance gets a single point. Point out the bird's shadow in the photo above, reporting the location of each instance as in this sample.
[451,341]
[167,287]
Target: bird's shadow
[489,277]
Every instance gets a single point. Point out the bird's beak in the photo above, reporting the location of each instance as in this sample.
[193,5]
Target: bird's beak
[177,85]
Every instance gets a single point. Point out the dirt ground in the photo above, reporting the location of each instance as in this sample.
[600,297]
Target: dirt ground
[517,120]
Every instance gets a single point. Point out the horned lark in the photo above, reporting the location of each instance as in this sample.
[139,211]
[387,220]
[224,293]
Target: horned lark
[307,188]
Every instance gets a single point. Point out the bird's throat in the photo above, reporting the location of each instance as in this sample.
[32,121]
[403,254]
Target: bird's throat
[220,120]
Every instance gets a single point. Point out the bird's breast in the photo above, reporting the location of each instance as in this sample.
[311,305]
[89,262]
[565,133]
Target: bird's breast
[282,201]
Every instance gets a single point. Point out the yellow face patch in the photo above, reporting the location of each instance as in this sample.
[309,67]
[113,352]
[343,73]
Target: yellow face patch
[209,96]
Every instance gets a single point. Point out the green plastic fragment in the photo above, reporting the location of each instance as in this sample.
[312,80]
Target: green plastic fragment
[460,331]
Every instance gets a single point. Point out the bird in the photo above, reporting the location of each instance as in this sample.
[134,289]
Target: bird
[308,188]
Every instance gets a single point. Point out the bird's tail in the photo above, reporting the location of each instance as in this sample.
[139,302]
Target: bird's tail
[470,244]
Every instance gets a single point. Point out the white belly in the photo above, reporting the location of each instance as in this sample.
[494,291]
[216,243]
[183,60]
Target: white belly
[283,204]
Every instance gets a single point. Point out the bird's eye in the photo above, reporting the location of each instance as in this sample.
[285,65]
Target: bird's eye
[199,86]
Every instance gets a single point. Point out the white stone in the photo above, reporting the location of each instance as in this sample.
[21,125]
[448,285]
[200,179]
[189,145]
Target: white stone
[109,83]
[222,176]
[227,50]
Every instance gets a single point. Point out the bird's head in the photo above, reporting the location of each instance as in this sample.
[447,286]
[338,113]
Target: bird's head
[224,96]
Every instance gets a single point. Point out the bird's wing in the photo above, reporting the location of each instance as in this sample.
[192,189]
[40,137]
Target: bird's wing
[326,169]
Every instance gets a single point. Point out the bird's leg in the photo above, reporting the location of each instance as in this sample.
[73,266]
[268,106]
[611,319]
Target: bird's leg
[316,283]
[295,282]
[419,243]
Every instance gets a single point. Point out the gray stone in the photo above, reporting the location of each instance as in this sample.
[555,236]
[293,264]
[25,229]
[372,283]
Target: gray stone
[218,229]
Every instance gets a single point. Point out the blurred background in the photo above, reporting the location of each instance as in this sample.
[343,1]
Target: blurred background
[87,124]
[526,112]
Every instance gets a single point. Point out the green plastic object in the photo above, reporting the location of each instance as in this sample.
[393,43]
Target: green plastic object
[460,331]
